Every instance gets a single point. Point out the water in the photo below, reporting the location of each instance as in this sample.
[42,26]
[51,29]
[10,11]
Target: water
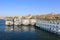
[25,33]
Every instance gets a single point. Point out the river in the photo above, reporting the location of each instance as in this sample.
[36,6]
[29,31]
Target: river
[25,33]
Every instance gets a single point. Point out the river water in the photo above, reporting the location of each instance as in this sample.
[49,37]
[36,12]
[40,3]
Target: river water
[25,33]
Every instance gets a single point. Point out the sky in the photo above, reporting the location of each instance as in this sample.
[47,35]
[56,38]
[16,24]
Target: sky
[25,7]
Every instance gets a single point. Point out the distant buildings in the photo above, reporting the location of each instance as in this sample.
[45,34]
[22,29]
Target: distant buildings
[51,16]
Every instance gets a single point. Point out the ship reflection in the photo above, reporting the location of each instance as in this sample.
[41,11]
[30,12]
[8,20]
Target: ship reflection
[19,28]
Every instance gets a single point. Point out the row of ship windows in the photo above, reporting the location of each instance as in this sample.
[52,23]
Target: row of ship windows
[49,22]
[49,25]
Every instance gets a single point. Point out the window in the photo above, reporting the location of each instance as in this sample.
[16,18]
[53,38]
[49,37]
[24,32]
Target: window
[57,23]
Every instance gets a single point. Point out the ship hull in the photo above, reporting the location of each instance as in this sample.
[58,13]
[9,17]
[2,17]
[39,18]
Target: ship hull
[9,22]
[32,21]
[49,26]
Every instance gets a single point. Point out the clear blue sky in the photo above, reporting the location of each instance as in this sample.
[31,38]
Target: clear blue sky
[24,7]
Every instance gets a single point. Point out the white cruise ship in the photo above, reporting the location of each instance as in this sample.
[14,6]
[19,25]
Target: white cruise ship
[49,25]
[32,21]
[17,21]
[9,22]
[25,21]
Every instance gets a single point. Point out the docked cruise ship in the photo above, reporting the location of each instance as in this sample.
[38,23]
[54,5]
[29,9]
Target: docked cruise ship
[32,21]
[25,21]
[17,21]
[28,21]
[9,22]
[49,25]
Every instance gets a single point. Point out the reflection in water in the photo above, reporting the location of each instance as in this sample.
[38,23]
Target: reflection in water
[25,29]
[8,28]
[25,33]
[19,28]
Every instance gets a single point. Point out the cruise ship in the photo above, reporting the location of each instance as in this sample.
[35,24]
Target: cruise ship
[49,25]
[9,22]
[17,21]
[25,22]
[32,21]
[28,21]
